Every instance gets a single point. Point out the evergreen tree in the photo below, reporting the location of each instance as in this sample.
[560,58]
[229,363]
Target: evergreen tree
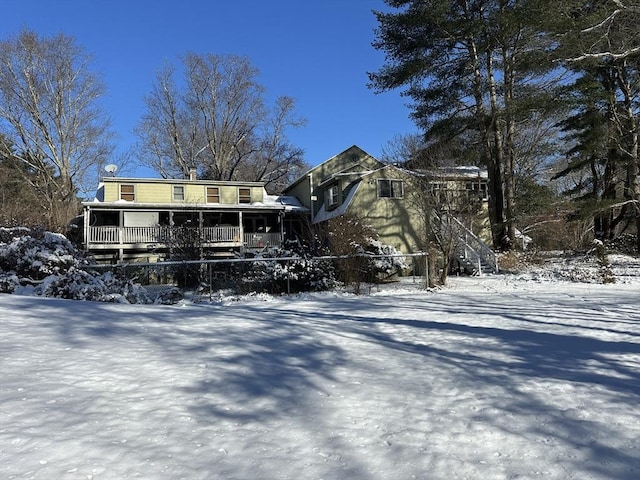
[475,68]
[600,40]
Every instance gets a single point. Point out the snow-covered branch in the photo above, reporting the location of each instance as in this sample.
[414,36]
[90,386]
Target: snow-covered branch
[602,55]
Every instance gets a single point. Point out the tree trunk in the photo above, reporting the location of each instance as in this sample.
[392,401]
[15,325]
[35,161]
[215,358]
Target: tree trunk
[496,184]
[509,157]
[632,188]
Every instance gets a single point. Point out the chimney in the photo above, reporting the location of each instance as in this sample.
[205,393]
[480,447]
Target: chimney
[193,174]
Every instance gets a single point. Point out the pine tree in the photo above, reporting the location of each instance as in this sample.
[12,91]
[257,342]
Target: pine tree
[470,67]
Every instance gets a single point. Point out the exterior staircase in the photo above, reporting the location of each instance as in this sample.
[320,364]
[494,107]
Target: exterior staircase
[474,256]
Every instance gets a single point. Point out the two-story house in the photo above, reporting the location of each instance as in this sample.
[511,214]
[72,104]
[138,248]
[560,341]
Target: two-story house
[135,218]
[355,182]
[402,205]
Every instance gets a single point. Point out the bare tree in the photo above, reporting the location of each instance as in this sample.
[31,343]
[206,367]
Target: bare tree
[216,121]
[49,112]
[402,149]
[276,161]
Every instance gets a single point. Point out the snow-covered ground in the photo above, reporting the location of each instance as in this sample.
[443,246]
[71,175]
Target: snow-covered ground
[499,377]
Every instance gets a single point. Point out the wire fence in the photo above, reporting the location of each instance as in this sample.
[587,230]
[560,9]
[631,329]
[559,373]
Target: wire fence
[275,274]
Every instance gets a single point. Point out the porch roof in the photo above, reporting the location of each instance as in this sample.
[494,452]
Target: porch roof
[271,202]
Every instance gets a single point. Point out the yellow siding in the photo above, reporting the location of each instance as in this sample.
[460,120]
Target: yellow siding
[257,194]
[229,195]
[111,192]
[194,193]
[342,162]
[393,218]
[153,193]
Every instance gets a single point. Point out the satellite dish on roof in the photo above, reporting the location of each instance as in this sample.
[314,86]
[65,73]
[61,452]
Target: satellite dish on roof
[111,168]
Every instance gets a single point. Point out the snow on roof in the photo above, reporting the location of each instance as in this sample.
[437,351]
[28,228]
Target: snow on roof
[323,214]
[462,171]
[291,203]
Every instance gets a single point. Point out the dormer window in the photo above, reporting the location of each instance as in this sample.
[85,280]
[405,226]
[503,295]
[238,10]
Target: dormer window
[332,196]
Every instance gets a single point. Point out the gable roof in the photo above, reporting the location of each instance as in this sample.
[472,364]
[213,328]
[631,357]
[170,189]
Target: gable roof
[352,150]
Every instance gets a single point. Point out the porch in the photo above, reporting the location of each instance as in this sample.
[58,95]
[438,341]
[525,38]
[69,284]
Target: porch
[160,237]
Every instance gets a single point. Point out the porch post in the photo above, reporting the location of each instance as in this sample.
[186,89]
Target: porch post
[281,221]
[201,234]
[120,235]
[86,227]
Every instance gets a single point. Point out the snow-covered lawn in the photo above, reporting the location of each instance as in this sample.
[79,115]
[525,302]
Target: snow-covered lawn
[499,377]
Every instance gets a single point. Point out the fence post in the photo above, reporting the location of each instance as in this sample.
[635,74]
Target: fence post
[426,270]
[288,277]
[210,269]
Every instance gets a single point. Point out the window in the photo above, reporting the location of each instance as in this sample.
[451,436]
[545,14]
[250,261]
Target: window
[178,193]
[477,187]
[244,195]
[390,189]
[128,193]
[213,195]
[332,196]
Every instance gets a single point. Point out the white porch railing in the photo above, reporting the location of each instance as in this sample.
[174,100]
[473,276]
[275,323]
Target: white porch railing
[127,235]
[221,234]
[112,235]
[260,240]
[144,234]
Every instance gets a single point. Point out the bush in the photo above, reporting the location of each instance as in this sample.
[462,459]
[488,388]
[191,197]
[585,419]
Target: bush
[50,263]
[36,254]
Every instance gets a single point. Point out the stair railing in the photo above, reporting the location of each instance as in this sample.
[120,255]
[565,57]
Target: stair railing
[480,249]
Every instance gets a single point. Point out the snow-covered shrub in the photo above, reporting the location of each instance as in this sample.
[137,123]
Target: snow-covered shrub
[9,282]
[356,242]
[276,271]
[303,274]
[118,283]
[625,243]
[372,262]
[169,296]
[389,263]
[604,267]
[81,285]
[51,263]
[74,284]
[34,255]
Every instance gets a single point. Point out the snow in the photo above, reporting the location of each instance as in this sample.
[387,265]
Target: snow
[517,376]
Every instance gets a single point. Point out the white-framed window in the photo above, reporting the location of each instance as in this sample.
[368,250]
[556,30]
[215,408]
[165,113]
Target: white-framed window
[244,195]
[478,187]
[390,188]
[213,194]
[178,193]
[128,192]
[332,196]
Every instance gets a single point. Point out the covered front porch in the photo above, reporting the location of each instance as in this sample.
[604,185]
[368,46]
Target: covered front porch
[137,232]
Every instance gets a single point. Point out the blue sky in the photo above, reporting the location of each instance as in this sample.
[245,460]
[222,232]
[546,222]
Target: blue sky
[317,51]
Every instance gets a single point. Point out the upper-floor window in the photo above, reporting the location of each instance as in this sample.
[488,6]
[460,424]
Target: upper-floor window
[479,187]
[178,193]
[128,193]
[244,195]
[213,195]
[332,196]
[390,188]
